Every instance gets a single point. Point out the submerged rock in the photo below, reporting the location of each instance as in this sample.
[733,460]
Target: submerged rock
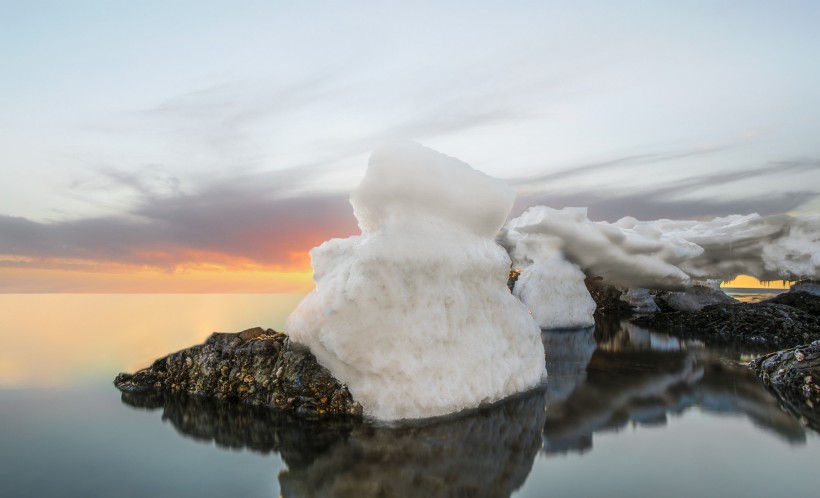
[256,366]
[794,377]
[767,325]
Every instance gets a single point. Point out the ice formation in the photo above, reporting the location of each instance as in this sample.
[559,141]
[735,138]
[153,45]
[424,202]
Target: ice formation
[637,256]
[640,300]
[555,293]
[668,254]
[414,314]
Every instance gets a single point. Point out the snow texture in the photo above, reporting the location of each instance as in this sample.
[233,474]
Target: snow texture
[555,294]
[414,314]
[668,254]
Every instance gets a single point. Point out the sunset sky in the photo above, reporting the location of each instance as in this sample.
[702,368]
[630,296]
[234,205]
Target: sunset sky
[207,146]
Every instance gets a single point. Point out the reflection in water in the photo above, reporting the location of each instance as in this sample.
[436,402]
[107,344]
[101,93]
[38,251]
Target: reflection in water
[240,426]
[600,379]
[637,376]
[487,453]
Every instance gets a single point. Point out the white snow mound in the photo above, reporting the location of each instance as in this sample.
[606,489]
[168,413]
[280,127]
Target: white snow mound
[555,293]
[414,314]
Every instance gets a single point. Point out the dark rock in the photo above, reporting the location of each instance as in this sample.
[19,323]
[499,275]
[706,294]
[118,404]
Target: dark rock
[764,325]
[810,286]
[800,300]
[694,298]
[255,366]
[793,375]
[512,278]
[608,298]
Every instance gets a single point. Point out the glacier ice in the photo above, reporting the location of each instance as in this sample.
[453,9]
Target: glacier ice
[414,314]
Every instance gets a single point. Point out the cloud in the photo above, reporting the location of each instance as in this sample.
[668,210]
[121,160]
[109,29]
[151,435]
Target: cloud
[665,198]
[249,220]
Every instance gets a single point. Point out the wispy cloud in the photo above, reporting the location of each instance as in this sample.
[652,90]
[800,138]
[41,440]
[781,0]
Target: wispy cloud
[250,219]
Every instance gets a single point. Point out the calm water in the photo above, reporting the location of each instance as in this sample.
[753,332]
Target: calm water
[627,412]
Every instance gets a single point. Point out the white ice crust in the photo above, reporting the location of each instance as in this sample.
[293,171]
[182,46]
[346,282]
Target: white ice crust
[668,254]
[414,314]
[555,293]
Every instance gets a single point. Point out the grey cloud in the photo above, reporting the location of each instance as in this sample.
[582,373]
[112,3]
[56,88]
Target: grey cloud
[605,206]
[619,162]
[664,200]
[247,218]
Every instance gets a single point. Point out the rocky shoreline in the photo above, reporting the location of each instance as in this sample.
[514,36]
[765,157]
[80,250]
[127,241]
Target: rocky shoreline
[255,366]
[765,325]
[262,367]
[793,375]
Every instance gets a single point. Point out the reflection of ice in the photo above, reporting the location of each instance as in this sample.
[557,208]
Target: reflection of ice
[568,353]
[489,452]
[638,376]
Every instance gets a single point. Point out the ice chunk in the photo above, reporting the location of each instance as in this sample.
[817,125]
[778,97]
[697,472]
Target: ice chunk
[632,256]
[668,254]
[414,314]
[640,300]
[555,293]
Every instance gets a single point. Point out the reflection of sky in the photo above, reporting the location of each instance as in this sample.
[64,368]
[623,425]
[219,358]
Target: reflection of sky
[125,121]
[53,340]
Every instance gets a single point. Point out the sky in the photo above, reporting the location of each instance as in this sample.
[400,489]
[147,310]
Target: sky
[207,146]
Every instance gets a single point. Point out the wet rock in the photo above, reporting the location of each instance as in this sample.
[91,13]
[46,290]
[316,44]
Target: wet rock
[255,366]
[808,286]
[512,278]
[767,326]
[694,298]
[793,375]
[805,301]
[608,298]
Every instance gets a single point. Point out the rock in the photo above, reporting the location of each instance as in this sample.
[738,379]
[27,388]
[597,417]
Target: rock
[694,298]
[793,375]
[764,325]
[808,286]
[640,300]
[255,366]
[805,301]
[607,297]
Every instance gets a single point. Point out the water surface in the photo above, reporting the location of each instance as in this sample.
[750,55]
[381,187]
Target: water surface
[626,412]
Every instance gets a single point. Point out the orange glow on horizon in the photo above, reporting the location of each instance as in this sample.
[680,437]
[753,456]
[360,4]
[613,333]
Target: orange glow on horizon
[204,278]
[748,282]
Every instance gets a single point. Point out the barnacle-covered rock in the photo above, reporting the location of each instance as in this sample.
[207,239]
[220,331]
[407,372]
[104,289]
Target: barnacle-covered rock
[256,366]
[794,376]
